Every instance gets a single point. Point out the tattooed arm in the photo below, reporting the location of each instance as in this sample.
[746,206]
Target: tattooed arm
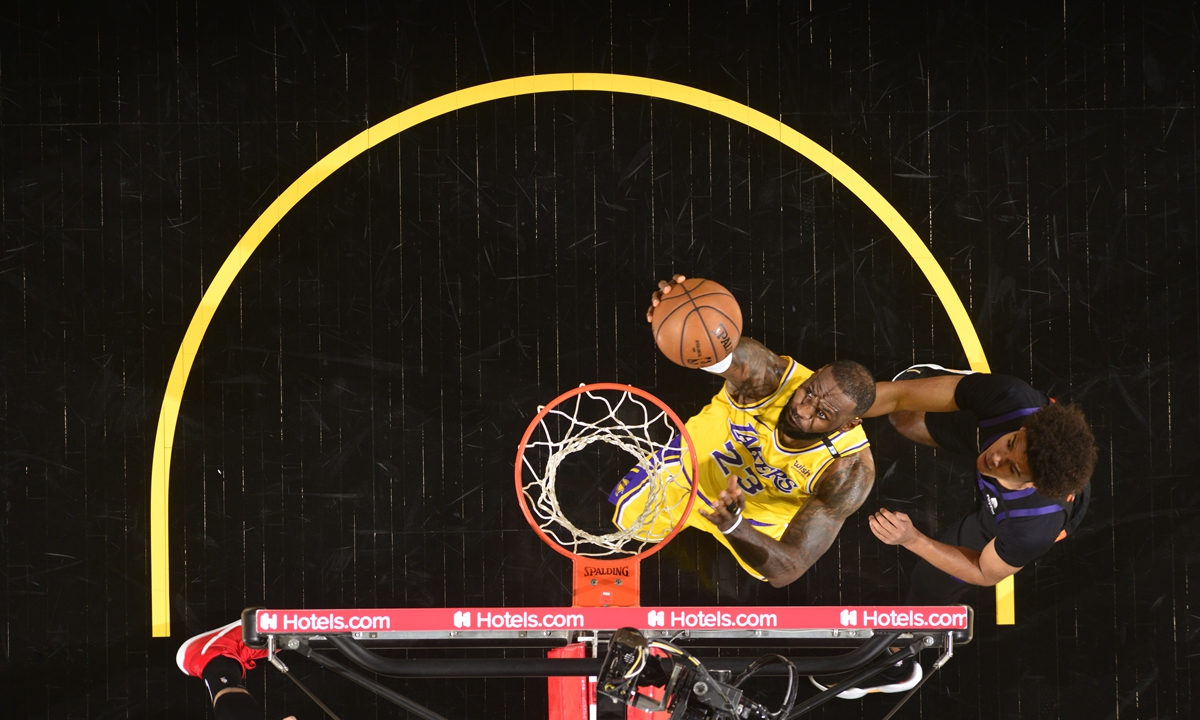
[842,489]
[754,373]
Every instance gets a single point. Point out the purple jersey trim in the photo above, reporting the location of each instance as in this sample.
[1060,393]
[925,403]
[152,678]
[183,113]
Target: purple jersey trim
[669,454]
[1030,512]
[637,477]
[1017,494]
[986,486]
[1019,412]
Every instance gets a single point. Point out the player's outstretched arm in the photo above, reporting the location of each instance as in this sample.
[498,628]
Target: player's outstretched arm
[975,568]
[842,489]
[935,394]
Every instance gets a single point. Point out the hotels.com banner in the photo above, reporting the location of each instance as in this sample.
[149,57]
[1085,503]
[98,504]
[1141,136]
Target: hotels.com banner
[283,622]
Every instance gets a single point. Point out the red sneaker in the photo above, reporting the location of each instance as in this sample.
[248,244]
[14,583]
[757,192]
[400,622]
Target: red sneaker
[194,654]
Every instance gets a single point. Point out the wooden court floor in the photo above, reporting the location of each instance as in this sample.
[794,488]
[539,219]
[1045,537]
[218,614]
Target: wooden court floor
[347,433]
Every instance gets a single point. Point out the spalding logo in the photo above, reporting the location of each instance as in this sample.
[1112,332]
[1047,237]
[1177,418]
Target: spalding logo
[723,335]
[593,571]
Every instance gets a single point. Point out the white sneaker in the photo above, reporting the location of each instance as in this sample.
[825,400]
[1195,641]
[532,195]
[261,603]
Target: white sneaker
[925,370]
[855,693]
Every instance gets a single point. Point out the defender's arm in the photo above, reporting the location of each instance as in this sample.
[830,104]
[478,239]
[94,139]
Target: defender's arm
[935,394]
[975,568]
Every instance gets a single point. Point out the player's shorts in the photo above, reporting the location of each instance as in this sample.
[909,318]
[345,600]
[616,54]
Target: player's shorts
[650,502]
[640,504]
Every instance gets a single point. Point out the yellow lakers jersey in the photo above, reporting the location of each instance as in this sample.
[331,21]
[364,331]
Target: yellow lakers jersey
[740,441]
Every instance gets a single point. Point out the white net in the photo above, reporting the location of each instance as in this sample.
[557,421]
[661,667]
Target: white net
[654,446]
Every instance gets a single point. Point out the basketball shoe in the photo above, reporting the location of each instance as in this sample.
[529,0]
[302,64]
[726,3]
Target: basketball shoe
[903,676]
[928,370]
[225,641]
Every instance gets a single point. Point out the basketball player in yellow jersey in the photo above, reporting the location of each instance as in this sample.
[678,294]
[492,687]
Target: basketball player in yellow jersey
[783,457]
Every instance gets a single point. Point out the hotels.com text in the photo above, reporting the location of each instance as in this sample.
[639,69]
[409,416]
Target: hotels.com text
[906,619]
[320,622]
[488,620]
[712,620]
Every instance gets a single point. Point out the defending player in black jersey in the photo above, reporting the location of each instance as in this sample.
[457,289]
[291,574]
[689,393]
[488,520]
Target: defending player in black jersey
[1033,462]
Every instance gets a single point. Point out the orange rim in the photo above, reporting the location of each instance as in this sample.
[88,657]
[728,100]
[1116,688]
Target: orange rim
[687,440]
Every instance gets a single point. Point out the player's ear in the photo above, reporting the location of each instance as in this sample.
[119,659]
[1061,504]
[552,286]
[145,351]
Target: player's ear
[850,425]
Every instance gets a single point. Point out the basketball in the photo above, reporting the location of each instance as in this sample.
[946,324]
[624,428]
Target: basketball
[697,324]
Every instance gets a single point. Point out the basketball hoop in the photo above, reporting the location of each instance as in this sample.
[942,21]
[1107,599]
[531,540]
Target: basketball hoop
[607,565]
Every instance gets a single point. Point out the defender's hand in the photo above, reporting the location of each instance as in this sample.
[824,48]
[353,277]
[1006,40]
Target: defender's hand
[893,528]
[664,288]
[730,504]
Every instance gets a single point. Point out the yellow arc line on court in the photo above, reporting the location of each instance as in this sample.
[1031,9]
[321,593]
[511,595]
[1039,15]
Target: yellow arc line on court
[372,136]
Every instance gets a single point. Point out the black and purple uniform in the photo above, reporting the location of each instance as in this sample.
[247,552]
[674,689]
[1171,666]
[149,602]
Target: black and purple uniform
[1024,523]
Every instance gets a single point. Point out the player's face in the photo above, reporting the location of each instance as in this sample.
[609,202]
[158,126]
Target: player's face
[1006,461]
[817,408]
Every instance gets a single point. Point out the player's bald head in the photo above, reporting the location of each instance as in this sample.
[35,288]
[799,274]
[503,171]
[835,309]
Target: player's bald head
[856,381]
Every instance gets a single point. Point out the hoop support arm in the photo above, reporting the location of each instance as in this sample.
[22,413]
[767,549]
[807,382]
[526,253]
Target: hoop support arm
[571,667]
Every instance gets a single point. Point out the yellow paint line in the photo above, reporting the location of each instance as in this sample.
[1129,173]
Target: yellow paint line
[355,146]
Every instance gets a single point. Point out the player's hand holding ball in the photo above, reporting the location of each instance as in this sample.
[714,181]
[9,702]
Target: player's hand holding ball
[696,322]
